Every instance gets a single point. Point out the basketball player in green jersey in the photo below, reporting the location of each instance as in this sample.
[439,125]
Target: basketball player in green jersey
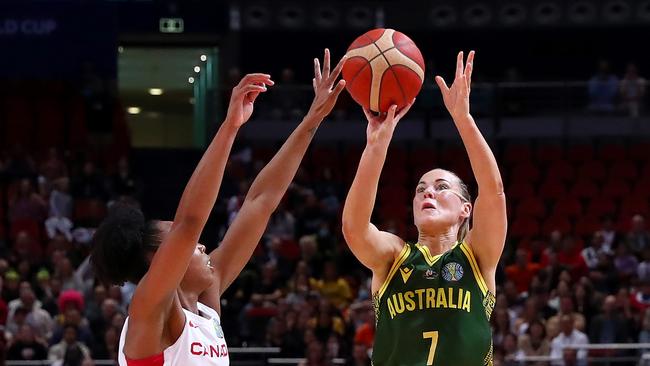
[433,299]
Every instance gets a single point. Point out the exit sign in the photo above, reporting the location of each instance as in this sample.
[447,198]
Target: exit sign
[171,25]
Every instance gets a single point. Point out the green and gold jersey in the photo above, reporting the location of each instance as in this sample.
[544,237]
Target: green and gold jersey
[433,310]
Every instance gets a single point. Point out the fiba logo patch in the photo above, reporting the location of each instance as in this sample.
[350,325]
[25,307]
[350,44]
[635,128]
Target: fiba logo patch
[452,272]
[217,327]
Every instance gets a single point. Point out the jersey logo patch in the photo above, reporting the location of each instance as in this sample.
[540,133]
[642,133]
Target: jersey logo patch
[217,327]
[452,272]
[430,274]
[406,272]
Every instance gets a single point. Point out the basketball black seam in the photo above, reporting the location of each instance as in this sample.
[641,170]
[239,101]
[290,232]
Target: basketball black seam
[367,61]
[394,74]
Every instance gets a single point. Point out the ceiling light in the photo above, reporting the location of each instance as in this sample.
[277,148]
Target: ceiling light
[133,110]
[120,49]
[155,91]
[190,80]
[204,57]
[197,69]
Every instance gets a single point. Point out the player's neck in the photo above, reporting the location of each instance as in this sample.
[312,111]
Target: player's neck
[189,300]
[439,242]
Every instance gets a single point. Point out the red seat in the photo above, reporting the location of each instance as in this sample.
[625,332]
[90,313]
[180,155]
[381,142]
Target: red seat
[580,153]
[20,122]
[560,170]
[568,207]
[517,153]
[593,169]
[395,174]
[625,169]
[397,155]
[612,153]
[77,128]
[559,223]
[600,206]
[552,190]
[423,157]
[584,188]
[30,226]
[50,123]
[525,171]
[633,205]
[616,188]
[531,206]
[524,226]
[89,211]
[640,152]
[587,225]
[641,189]
[520,190]
[549,154]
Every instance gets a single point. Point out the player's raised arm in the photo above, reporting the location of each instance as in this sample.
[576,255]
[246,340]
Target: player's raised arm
[375,249]
[487,236]
[171,260]
[272,182]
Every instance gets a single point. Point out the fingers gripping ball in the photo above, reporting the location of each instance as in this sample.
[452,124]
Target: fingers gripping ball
[384,67]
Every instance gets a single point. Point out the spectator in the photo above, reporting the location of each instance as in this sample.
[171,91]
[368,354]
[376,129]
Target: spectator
[27,205]
[569,336]
[625,263]
[591,253]
[27,346]
[360,356]
[643,271]
[603,88]
[58,352]
[610,326]
[638,238]
[632,90]
[535,342]
[53,167]
[90,184]
[365,334]
[124,183]
[39,320]
[566,308]
[522,271]
[332,286]
[610,236]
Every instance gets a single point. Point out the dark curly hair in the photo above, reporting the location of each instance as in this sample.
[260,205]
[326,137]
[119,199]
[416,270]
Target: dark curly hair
[121,244]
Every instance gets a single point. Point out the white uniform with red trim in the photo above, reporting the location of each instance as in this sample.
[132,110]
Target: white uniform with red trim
[201,343]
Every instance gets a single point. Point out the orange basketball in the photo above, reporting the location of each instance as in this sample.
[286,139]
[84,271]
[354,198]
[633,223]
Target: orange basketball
[384,67]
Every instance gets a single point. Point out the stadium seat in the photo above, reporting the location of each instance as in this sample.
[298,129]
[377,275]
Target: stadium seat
[524,226]
[616,188]
[580,153]
[548,154]
[552,189]
[19,123]
[625,169]
[612,153]
[31,226]
[633,205]
[531,206]
[50,123]
[587,225]
[640,152]
[568,207]
[584,188]
[601,206]
[524,171]
[517,153]
[560,170]
[560,223]
[593,169]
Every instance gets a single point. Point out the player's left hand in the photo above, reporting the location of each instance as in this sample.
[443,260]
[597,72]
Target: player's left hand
[456,97]
[325,97]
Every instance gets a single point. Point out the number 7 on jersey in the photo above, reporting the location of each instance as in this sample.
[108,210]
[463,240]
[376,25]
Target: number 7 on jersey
[434,342]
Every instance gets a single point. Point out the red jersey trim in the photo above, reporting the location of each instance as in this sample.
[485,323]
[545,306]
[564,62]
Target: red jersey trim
[155,360]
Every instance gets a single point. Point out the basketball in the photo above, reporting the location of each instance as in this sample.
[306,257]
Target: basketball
[384,67]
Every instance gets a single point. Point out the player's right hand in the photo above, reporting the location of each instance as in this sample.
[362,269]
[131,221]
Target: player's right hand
[243,97]
[380,127]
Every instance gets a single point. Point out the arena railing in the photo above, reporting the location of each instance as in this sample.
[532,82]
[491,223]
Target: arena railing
[640,359]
